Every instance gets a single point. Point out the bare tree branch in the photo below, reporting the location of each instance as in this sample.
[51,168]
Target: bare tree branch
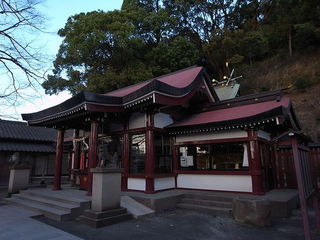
[20,63]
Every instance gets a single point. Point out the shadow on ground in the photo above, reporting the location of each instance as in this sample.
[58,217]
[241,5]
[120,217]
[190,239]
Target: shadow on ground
[184,224]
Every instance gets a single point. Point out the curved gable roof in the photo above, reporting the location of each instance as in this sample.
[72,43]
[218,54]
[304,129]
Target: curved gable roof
[164,90]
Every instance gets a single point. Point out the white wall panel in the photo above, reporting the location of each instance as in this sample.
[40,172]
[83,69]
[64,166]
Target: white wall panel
[164,183]
[264,135]
[162,120]
[137,184]
[212,136]
[137,120]
[238,183]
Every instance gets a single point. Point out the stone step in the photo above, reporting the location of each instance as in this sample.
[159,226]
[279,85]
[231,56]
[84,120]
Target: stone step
[59,197]
[114,212]
[72,208]
[49,212]
[101,222]
[209,203]
[206,209]
[135,208]
[211,197]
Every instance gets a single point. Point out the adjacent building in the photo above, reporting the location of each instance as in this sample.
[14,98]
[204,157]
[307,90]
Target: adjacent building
[31,146]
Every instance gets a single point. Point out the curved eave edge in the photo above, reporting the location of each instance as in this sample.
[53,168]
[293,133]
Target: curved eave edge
[71,104]
[252,121]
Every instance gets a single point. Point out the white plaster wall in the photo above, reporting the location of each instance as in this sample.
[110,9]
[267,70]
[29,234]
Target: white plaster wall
[164,183]
[238,183]
[162,120]
[137,120]
[137,184]
[212,136]
[264,135]
[116,127]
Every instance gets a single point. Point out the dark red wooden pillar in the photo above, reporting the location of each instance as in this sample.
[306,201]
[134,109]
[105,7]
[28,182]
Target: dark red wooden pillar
[255,164]
[149,160]
[125,162]
[175,159]
[76,156]
[58,161]
[76,150]
[92,155]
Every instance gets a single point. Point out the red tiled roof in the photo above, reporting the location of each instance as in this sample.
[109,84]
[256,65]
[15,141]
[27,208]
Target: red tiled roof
[233,113]
[127,90]
[179,79]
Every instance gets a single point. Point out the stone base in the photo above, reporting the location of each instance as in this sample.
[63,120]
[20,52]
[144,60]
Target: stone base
[19,179]
[97,219]
[252,211]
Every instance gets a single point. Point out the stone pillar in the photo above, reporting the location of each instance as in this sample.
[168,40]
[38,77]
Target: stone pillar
[105,203]
[92,156]
[58,160]
[149,162]
[19,179]
[106,189]
[255,164]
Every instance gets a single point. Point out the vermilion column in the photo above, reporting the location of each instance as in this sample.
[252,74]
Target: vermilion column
[255,164]
[175,158]
[76,156]
[125,162]
[92,156]
[58,161]
[149,162]
[76,150]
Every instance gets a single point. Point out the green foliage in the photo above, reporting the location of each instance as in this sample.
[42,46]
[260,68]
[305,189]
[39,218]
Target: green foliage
[103,51]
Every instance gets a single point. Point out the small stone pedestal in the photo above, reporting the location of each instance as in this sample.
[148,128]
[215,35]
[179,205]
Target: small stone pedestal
[19,179]
[106,194]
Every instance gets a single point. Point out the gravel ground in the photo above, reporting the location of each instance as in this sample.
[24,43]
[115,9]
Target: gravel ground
[185,224]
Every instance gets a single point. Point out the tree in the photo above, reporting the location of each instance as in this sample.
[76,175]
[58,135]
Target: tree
[99,53]
[20,64]
[103,51]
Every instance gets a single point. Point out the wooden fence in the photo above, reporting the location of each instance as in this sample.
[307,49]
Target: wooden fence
[286,176]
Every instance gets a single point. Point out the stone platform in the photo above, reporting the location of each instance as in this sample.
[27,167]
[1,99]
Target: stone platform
[283,201]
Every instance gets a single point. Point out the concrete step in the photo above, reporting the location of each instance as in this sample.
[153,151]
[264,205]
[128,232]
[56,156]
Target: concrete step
[59,197]
[135,208]
[206,209]
[72,208]
[49,212]
[96,220]
[107,214]
[209,203]
[210,197]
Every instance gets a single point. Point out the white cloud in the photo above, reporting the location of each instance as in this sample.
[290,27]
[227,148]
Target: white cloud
[35,105]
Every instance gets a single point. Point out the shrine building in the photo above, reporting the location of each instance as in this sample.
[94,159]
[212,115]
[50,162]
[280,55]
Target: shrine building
[177,131]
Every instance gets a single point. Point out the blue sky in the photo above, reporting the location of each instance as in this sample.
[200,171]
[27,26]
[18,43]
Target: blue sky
[56,12]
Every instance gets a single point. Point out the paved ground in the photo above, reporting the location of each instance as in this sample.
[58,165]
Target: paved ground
[16,224]
[183,224]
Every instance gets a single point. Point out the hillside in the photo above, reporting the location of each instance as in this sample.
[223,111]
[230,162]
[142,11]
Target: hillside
[301,73]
